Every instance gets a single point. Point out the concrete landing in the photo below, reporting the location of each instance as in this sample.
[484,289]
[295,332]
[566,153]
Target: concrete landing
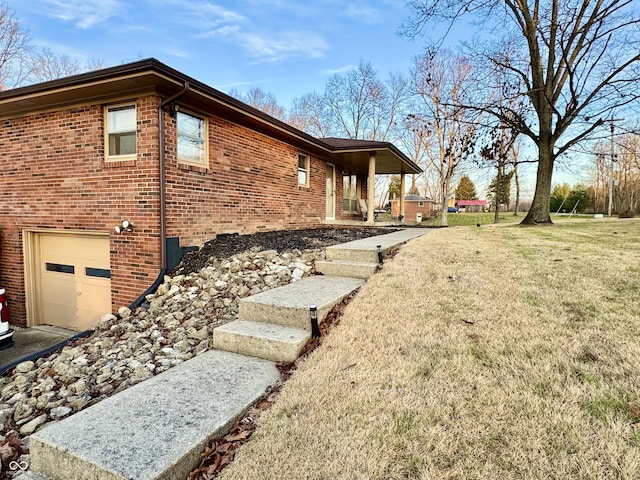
[289,305]
[155,429]
[262,340]
[366,249]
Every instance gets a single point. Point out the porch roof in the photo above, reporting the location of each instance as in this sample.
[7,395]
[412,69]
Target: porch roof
[149,76]
[353,156]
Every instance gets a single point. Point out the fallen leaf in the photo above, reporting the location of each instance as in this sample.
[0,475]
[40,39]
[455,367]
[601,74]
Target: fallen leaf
[239,437]
[264,404]
[634,410]
[474,336]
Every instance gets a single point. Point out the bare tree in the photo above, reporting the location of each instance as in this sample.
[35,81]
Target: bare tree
[577,61]
[14,47]
[46,65]
[310,114]
[258,98]
[497,152]
[415,140]
[628,173]
[441,82]
[361,106]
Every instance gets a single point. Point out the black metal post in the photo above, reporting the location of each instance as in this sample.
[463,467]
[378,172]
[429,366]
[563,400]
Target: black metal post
[313,315]
[380,260]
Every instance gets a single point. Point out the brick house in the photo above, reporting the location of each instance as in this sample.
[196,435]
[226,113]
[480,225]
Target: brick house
[168,160]
[413,205]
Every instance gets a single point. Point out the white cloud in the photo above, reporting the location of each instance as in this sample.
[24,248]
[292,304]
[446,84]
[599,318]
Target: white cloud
[273,48]
[333,71]
[84,13]
[363,14]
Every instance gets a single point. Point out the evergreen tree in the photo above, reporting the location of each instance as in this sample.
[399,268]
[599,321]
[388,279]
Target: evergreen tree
[504,192]
[466,190]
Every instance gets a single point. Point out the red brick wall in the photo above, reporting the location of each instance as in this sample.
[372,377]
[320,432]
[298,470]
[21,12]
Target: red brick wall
[53,176]
[251,184]
[410,209]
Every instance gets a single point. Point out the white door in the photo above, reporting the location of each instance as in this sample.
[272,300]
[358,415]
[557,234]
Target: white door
[74,280]
[331,192]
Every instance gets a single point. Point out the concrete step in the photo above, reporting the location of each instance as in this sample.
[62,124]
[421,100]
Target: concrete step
[155,429]
[262,340]
[366,249]
[346,268]
[289,305]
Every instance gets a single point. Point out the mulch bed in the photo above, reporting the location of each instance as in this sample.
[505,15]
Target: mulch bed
[226,245]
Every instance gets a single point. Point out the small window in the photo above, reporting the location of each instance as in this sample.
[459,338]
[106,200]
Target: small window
[97,272]
[192,140]
[421,204]
[303,169]
[121,132]
[60,268]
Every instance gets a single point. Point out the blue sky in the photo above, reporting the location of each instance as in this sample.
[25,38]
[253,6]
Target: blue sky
[287,47]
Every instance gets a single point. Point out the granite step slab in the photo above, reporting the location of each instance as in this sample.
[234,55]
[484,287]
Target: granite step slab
[289,305]
[156,429]
[263,340]
[346,268]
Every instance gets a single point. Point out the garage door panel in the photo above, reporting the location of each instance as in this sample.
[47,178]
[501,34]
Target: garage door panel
[75,284]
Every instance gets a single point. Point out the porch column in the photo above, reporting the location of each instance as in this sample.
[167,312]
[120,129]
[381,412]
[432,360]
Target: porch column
[371,188]
[402,187]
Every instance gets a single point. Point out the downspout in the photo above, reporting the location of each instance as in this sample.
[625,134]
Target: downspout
[163,184]
[163,199]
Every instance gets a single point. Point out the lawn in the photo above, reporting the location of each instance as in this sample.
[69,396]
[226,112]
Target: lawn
[465,219]
[476,353]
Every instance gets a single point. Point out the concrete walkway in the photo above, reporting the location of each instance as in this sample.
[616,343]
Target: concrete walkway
[29,341]
[158,428]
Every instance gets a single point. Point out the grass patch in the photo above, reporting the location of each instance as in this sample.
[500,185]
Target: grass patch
[481,362]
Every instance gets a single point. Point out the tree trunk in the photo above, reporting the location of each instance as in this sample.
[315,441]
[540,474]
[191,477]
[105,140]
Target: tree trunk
[515,169]
[496,216]
[445,205]
[539,211]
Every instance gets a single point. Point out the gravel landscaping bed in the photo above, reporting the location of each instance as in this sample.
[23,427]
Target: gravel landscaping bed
[176,324]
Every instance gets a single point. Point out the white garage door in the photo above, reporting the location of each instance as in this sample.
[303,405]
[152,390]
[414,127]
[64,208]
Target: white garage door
[74,287]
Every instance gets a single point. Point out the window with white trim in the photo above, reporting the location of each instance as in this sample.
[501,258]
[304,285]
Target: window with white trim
[120,138]
[303,170]
[192,138]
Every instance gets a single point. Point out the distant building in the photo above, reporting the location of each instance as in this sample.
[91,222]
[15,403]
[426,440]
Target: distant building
[413,205]
[472,205]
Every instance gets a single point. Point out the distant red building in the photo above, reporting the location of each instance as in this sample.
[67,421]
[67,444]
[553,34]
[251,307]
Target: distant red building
[472,205]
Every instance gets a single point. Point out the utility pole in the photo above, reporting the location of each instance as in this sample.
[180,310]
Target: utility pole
[612,155]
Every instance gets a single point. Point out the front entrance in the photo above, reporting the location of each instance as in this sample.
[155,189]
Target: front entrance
[71,284]
[331,192]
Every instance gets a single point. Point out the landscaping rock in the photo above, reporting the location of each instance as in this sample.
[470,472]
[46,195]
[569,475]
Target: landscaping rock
[175,326]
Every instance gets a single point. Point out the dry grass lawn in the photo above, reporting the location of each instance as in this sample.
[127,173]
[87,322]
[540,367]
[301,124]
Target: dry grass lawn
[477,353]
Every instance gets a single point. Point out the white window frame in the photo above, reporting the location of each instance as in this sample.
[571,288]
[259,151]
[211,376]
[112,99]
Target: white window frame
[204,140]
[108,133]
[350,195]
[304,170]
